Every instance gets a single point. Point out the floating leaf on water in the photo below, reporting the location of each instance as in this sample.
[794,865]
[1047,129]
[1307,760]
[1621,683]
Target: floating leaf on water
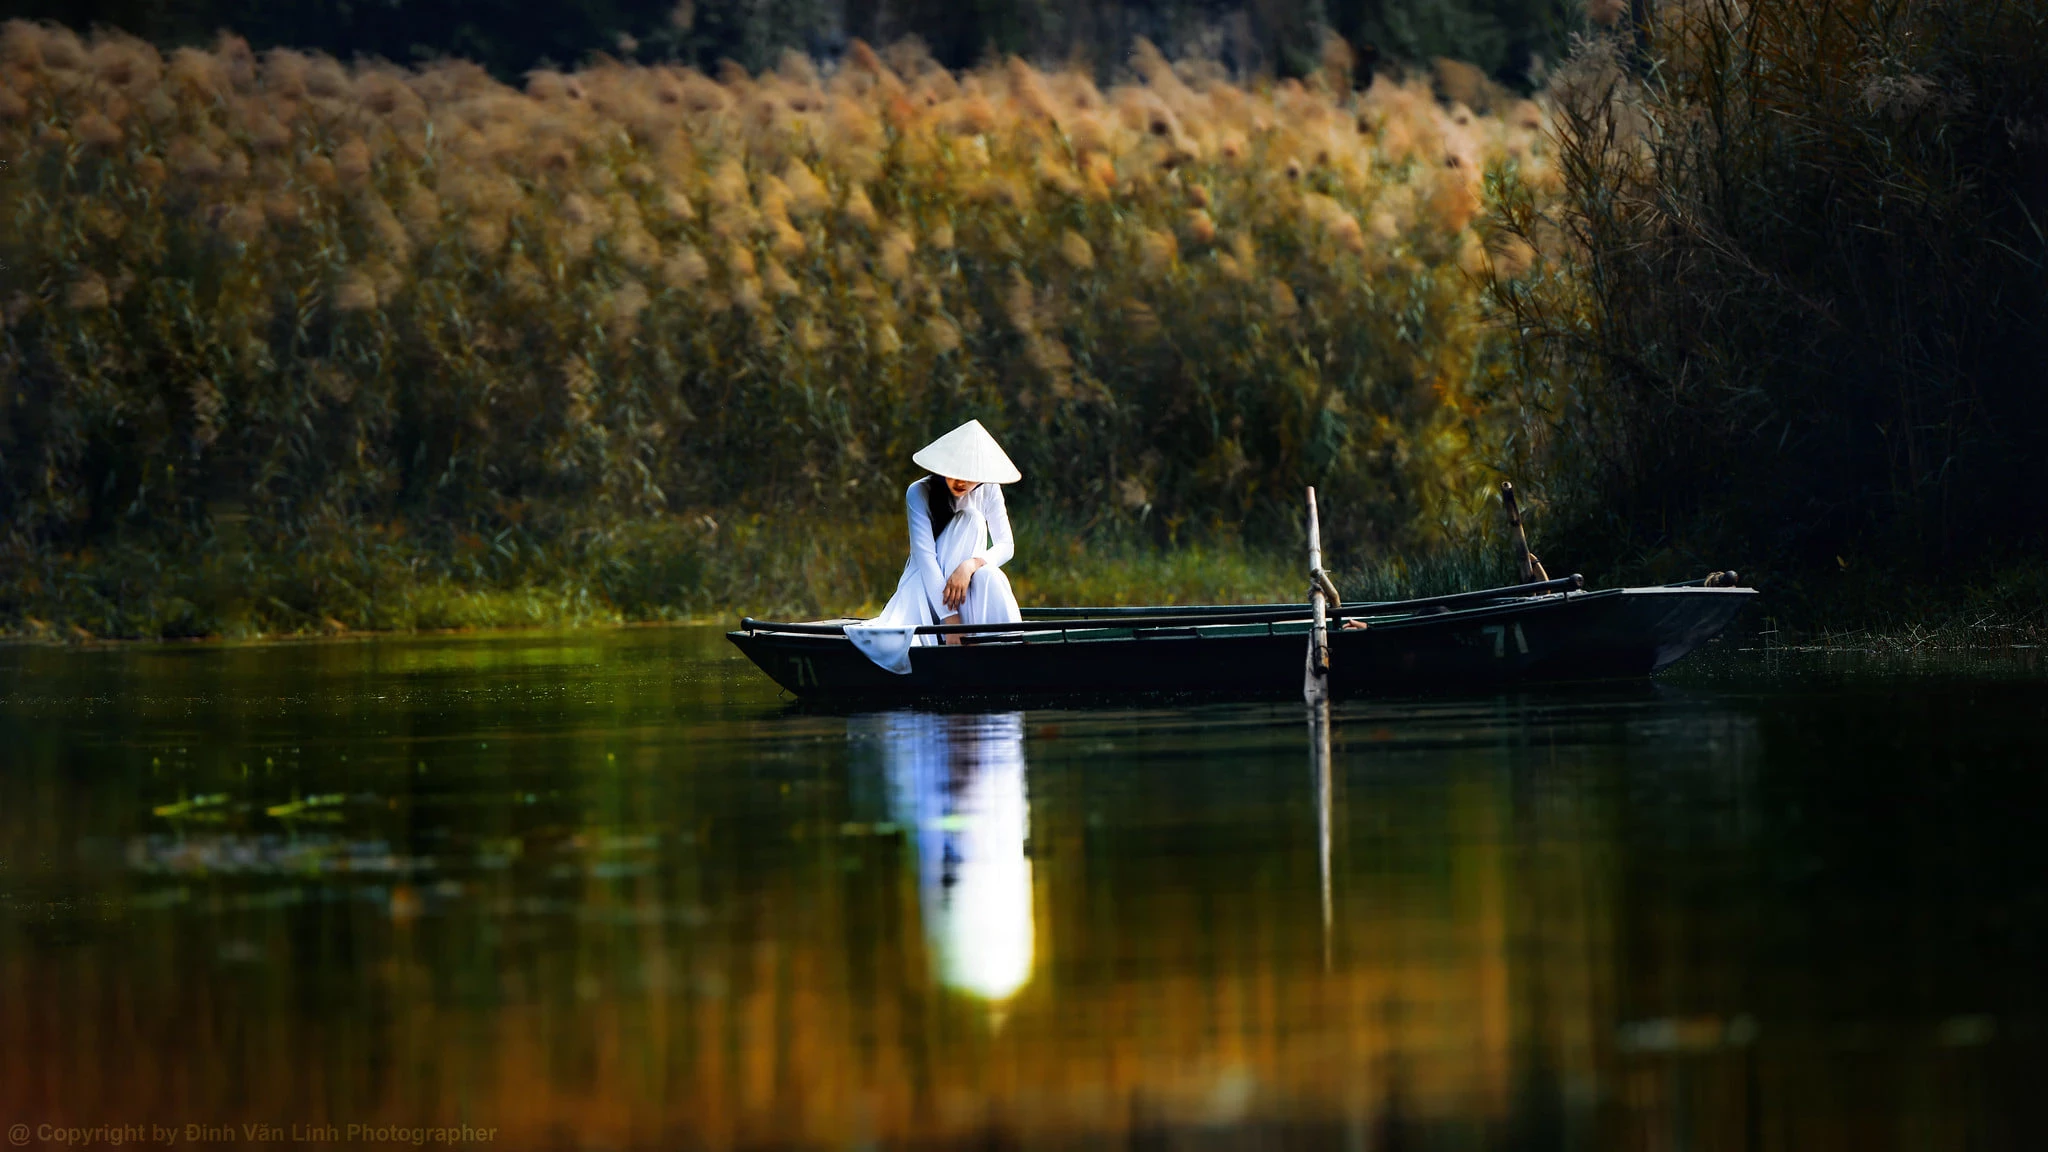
[310,807]
[195,806]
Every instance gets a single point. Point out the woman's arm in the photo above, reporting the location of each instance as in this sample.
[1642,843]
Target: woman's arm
[1002,545]
[924,553]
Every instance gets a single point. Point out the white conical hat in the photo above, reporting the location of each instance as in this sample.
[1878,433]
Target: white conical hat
[968,453]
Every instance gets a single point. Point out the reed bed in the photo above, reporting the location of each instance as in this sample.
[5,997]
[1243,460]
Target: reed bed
[283,328]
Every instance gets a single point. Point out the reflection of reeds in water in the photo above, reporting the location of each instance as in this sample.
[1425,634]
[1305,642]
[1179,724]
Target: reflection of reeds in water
[697,946]
[779,985]
[369,295]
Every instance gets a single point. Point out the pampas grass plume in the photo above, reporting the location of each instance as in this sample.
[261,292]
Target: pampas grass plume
[352,163]
[685,269]
[859,208]
[269,133]
[194,161]
[421,213]
[1157,251]
[1472,255]
[485,235]
[199,74]
[807,195]
[21,44]
[1454,202]
[1018,304]
[783,237]
[88,293]
[1343,228]
[746,294]
[626,305]
[387,235]
[1076,251]
[1245,252]
[886,340]
[94,130]
[1513,258]
[61,50]
[355,293]
[635,246]
[523,279]
[386,276]
[893,258]
[1285,306]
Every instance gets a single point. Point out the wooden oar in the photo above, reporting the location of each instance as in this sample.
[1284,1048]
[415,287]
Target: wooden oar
[1532,568]
[1353,608]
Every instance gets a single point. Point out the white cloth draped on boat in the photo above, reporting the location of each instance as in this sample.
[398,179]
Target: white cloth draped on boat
[980,527]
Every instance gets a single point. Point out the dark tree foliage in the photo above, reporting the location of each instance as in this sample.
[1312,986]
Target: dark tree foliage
[509,37]
[1803,304]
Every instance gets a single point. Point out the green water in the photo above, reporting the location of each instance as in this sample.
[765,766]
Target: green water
[607,890]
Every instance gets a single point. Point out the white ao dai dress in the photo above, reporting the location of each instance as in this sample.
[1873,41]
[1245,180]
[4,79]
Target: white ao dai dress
[980,527]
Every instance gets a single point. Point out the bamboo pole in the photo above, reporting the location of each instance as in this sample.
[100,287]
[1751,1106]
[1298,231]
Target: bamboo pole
[1315,684]
[1315,688]
[1532,568]
[1319,766]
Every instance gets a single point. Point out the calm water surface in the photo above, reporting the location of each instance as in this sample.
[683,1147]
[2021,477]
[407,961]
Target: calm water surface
[607,890]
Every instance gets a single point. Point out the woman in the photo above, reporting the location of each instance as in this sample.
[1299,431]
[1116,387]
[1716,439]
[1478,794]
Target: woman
[959,540]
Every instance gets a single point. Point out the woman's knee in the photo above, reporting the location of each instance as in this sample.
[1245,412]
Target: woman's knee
[962,537]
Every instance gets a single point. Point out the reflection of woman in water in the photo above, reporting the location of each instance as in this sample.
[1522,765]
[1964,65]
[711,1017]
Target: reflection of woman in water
[958,781]
[959,540]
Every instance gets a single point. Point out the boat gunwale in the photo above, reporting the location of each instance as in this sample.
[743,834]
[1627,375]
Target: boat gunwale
[1127,627]
[1216,614]
[1572,583]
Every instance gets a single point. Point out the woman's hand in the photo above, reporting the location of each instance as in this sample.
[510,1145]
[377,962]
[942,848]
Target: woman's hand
[956,586]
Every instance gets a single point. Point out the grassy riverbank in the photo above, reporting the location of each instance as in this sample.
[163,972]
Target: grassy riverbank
[720,567]
[700,567]
[703,566]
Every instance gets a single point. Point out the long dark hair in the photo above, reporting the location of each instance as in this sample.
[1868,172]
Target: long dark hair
[940,501]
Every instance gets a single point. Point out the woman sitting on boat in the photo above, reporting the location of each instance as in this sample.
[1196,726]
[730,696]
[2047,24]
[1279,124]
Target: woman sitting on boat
[959,540]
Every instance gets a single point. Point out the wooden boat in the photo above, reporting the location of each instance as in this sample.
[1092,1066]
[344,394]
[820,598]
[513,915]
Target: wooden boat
[1546,630]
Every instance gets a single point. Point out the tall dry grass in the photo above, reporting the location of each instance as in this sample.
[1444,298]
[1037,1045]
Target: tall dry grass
[278,303]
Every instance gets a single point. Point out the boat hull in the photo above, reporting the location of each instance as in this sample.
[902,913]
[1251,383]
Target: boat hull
[1622,632]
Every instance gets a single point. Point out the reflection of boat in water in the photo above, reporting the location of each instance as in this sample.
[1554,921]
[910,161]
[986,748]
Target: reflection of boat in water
[957,782]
